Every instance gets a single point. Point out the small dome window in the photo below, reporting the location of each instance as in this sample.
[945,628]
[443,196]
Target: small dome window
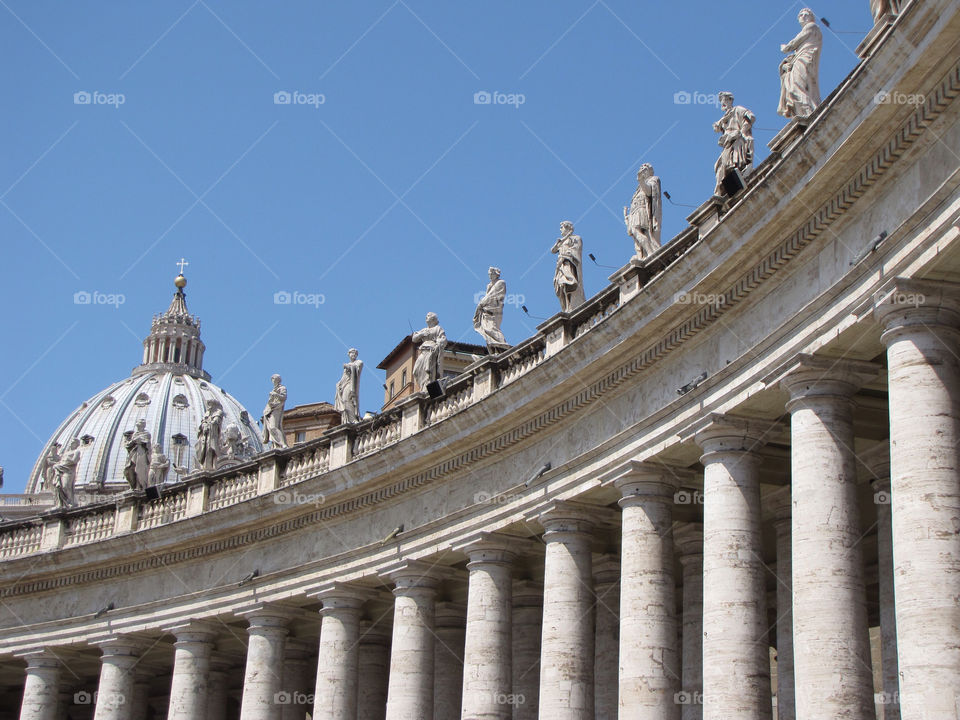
[180,401]
[142,400]
[108,402]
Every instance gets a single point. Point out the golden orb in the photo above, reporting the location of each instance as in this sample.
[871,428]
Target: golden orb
[180,282]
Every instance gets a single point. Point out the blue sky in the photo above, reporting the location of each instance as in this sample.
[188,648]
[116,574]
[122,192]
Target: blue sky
[382,186]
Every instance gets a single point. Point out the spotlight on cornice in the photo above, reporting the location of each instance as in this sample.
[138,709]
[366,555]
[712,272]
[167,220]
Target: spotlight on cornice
[248,578]
[539,474]
[667,196]
[871,247]
[527,312]
[590,255]
[103,611]
[692,385]
[393,533]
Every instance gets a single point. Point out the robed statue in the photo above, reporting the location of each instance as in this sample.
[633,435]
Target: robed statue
[800,70]
[136,471]
[208,436]
[65,474]
[568,275]
[736,139]
[273,414]
[347,398]
[489,313]
[643,217]
[432,341]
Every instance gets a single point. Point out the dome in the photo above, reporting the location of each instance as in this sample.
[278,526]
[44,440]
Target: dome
[169,391]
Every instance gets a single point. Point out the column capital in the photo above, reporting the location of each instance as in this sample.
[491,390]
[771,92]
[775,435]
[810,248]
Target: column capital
[876,460]
[911,304]
[411,575]
[375,633]
[121,649]
[688,541]
[650,480]
[811,376]
[779,506]
[606,570]
[719,433]
[267,615]
[37,658]
[527,593]
[450,615]
[340,596]
[197,631]
[563,516]
[488,547]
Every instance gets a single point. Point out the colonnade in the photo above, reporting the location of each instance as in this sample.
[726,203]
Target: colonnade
[679,627]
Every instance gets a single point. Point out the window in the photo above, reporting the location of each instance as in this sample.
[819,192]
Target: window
[301,436]
[403,379]
[392,390]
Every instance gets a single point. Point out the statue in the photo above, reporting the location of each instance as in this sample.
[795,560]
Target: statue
[800,71]
[50,466]
[234,447]
[208,436]
[568,277]
[432,341]
[736,139]
[880,8]
[65,474]
[159,466]
[644,214]
[348,389]
[273,414]
[137,469]
[489,313]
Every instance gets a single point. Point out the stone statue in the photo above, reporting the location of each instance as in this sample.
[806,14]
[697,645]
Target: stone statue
[489,313]
[208,436]
[137,469]
[50,466]
[800,71]
[644,215]
[568,277]
[736,139]
[234,447]
[348,389]
[880,8]
[273,415]
[432,340]
[159,466]
[65,474]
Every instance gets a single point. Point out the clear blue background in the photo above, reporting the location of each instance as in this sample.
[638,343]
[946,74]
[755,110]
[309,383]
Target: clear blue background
[390,199]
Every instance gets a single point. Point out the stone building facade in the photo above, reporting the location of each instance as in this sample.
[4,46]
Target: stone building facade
[566,536]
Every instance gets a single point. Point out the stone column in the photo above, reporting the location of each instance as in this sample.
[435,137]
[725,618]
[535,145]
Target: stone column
[299,680]
[649,658]
[606,647]
[786,695]
[115,691]
[877,460]
[736,661]
[448,647]
[527,628]
[487,674]
[217,688]
[566,645]
[41,690]
[920,320]
[410,690]
[688,539]
[339,655]
[263,677]
[832,671]
[191,666]
[374,665]
[141,700]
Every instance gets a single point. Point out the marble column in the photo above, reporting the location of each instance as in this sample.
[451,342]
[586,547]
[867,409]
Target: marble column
[410,689]
[487,674]
[41,690]
[263,677]
[688,539]
[736,661]
[374,664]
[339,654]
[566,645]
[649,657]
[115,691]
[877,460]
[218,678]
[527,628]
[606,646]
[191,667]
[920,321]
[299,680]
[833,677]
[448,647]
[786,695]
[141,699]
